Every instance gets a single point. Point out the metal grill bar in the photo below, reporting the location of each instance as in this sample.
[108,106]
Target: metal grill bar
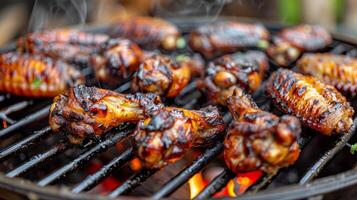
[216,184]
[124,87]
[339,49]
[36,160]
[187,94]
[189,171]
[56,175]
[105,171]
[132,182]
[328,155]
[16,107]
[352,53]
[264,181]
[25,143]
[42,113]
[13,108]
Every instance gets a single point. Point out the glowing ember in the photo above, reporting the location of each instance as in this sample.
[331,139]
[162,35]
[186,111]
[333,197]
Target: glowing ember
[242,182]
[235,187]
[109,184]
[4,124]
[196,183]
[135,164]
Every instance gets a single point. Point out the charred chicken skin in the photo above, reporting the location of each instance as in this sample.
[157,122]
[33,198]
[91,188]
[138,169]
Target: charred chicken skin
[319,106]
[291,42]
[225,37]
[69,36]
[87,112]
[147,32]
[167,135]
[225,74]
[67,44]
[161,75]
[117,60]
[259,140]
[35,76]
[337,70]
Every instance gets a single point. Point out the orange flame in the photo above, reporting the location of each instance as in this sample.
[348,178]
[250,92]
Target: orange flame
[235,187]
[135,164]
[242,182]
[196,184]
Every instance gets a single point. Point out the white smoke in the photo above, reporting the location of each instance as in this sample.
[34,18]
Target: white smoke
[184,8]
[56,13]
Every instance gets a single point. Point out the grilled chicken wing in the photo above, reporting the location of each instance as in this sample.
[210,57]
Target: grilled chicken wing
[291,42]
[161,75]
[147,32]
[117,60]
[167,135]
[87,112]
[69,36]
[319,106]
[35,75]
[228,72]
[337,70]
[225,37]
[67,44]
[257,139]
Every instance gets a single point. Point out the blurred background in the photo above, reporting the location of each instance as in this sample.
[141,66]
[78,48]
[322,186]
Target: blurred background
[20,16]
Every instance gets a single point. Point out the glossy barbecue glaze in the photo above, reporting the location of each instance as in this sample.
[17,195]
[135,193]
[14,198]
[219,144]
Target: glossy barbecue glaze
[161,75]
[117,60]
[67,44]
[225,74]
[226,37]
[69,36]
[259,140]
[318,105]
[147,32]
[35,76]
[87,112]
[291,42]
[337,70]
[168,134]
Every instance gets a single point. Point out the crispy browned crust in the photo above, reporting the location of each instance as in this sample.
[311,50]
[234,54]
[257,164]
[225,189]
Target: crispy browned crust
[167,135]
[259,140]
[87,112]
[71,53]
[69,36]
[319,106]
[161,75]
[147,32]
[307,37]
[337,70]
[225,37]
[35,76]
[67,44]
[225,74]
[291,42]
[118,59]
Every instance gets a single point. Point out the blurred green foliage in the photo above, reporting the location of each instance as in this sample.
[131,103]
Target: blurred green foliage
[289,11]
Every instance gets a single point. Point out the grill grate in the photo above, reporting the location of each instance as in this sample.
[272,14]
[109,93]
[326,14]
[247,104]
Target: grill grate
[85,157]
[189,98]
[105,171]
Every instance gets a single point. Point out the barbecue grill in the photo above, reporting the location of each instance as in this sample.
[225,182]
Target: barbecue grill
[25,126]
